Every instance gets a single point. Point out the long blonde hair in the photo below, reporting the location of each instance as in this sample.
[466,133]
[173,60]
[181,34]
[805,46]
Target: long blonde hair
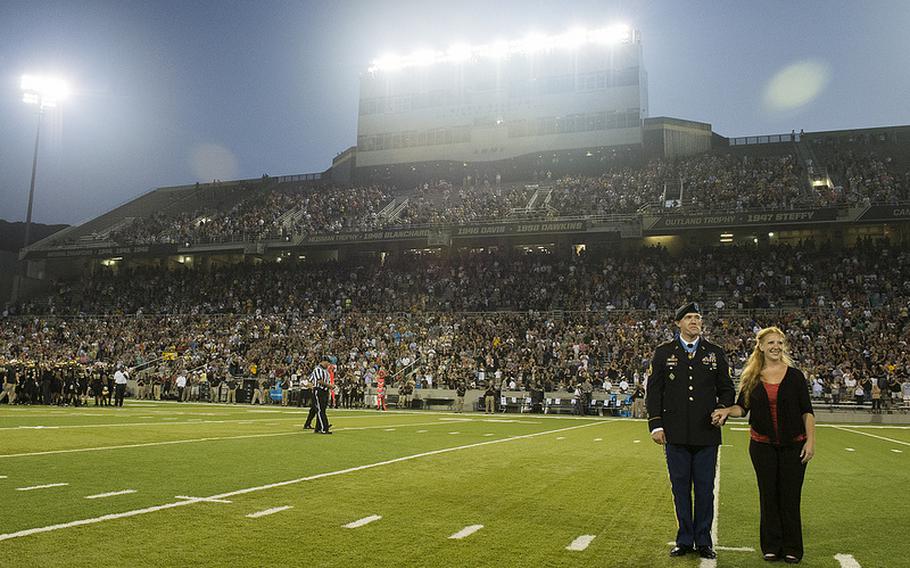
[751,374]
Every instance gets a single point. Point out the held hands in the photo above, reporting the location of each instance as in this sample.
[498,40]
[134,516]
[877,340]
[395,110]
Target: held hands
[808,451]
[719,417]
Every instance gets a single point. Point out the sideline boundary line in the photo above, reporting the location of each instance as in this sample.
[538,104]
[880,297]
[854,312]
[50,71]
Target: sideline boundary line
[205,439]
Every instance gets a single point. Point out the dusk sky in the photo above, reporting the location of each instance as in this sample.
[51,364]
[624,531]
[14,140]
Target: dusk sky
[168,93]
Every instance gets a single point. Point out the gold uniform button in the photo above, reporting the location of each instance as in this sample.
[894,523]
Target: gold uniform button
[691,387]
[691,399]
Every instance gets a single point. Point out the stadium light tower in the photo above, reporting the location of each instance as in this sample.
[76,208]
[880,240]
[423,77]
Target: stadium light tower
[44,92]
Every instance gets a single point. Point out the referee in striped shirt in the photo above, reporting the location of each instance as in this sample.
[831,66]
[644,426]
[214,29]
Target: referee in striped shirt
[319,378]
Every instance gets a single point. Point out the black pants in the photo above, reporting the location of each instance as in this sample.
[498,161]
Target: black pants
[317,411]
[692,470]
[780,475]
[119,391]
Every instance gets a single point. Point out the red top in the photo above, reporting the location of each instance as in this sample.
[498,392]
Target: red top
[771,390]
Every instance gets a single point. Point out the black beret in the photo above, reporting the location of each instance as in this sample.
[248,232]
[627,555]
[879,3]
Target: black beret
[687,308]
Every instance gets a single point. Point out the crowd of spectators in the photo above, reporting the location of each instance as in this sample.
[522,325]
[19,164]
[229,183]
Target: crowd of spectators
[481,318]
[805,276]
[440,203]
[707,182]
[866,178]
[281,213]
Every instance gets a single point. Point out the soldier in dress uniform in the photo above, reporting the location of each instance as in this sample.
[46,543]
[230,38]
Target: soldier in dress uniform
[689,379]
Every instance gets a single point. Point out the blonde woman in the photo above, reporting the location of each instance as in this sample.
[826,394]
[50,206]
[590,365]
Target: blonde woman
[776,397]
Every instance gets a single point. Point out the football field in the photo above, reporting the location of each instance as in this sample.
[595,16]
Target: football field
[167,484]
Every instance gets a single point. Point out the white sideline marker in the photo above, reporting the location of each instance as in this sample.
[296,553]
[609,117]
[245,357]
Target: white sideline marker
[598,439]
[897,451]
[389,430]
[847,561]
[581,542]
[850,449]
[454,432]
[2,477]
[422,431]
[41,486]
[111,494]
[267,512]
[363,521]
[560,437]
[467,531]
[488,435]
[636,441]
[712,562]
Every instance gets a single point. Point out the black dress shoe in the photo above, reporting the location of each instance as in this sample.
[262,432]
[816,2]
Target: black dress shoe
[790,559]
[706,552]
[680,550]
[771,557]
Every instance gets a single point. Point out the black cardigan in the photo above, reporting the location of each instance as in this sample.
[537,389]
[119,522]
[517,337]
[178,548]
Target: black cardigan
[792,402]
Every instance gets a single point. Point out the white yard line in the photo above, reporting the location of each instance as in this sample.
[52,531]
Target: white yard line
[111,494]
[33,487]
[267,512]
[202,499]
[133,513]
[735,548]
[194,440]
[364,521]
[465,532]
[581,542]
[876,436]
[192,422]
[847,561]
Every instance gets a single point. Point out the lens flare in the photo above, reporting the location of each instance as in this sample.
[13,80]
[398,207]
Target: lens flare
[796,85]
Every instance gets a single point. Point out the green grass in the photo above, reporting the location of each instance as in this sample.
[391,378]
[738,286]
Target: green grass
[533,492]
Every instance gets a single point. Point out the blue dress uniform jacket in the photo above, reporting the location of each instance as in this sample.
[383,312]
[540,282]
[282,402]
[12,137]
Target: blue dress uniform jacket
[683,391]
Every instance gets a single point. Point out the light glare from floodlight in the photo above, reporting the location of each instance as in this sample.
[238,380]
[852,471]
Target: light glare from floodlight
[459,53]
[43,91]
[531,44]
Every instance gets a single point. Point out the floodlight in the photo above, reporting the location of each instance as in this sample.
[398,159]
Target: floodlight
[533,43]
[459,53]
[45,91]
[617,33]
[423,57]
[572,39]
[497,50]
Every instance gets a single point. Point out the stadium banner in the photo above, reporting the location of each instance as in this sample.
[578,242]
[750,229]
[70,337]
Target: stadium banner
[511,228]
[520,228]
[739,219]
[885,213]
[390,235]
[135,250]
